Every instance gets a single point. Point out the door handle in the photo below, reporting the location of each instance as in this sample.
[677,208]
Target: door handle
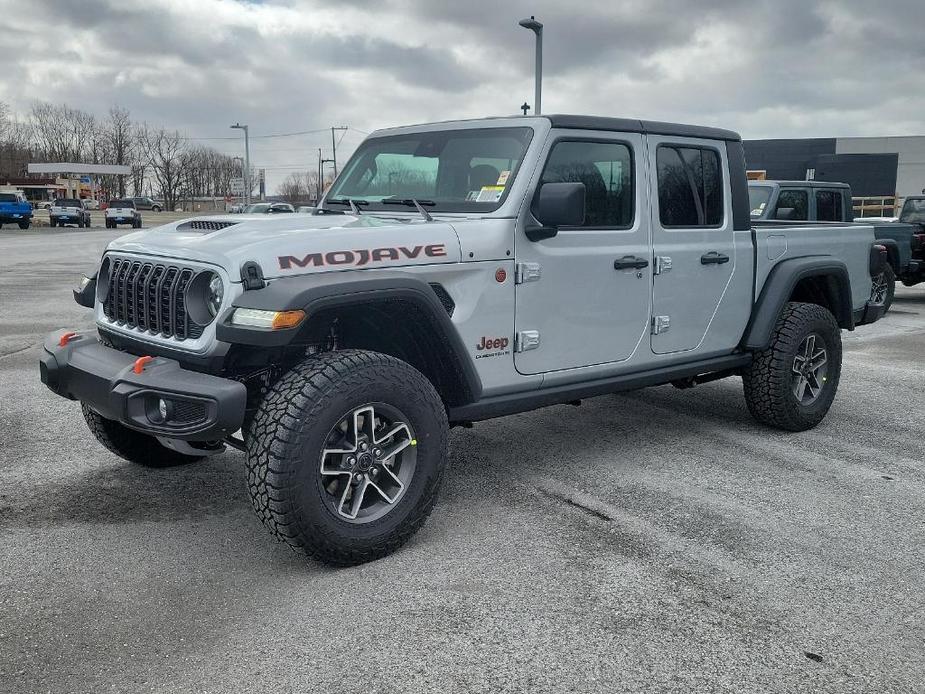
[628,262]
[714,258]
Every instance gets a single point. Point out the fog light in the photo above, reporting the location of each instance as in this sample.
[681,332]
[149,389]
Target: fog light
[160,410]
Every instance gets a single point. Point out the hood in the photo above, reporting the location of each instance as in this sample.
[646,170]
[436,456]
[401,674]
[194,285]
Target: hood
[286,245]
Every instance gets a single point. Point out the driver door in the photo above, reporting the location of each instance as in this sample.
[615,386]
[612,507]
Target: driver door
[573,307]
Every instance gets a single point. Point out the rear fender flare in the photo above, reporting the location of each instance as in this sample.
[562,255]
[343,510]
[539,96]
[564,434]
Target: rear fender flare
[778,289]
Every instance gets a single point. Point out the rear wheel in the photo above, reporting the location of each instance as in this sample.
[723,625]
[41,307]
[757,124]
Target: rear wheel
[23,225]
[345,455]
[791,384]
[883,288]
[133,445]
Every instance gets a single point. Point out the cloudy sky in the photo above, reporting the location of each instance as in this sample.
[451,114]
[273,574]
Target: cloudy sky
[767,68]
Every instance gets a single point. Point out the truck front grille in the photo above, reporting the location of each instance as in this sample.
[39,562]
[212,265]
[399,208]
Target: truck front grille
[151,297]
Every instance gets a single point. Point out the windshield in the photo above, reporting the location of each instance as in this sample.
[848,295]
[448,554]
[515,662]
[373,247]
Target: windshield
[455,170]
[913,211]
[259,207]
[68,203]
[122,203]
[758,197]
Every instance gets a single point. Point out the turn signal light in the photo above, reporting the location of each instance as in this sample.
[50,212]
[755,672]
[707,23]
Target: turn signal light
[272,320]
[287,319]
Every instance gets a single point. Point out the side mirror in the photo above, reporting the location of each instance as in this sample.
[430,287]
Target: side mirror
[784,213]
[557,205]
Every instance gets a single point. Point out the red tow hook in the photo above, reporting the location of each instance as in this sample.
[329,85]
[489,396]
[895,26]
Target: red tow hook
[67,337]
[140,364]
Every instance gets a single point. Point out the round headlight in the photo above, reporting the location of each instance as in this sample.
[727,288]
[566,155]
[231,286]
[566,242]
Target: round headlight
[216,294]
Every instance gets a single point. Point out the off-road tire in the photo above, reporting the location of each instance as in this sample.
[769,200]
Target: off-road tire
[768,381]
[132,445]
[287,434]
[890,278]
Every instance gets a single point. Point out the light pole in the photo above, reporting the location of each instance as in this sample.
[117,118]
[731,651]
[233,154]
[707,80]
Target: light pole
[537,28]
[247,163]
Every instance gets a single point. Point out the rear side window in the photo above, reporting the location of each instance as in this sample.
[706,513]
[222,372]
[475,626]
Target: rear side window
[793,205]
[690,187]
[828,206]
[8,197]
[606,169]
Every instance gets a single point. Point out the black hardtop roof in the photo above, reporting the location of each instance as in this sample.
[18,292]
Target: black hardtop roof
[575,122]
[799,184]
[649,127]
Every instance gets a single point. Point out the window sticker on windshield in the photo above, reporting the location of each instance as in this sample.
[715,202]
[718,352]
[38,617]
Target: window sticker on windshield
[490,194]
[502,179]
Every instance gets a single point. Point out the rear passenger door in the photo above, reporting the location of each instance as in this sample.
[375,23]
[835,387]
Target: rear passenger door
[692,232]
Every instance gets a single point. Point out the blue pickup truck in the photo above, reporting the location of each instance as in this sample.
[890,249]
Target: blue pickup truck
[15,210]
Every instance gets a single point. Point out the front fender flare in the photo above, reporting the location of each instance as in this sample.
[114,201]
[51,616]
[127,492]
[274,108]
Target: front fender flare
[322,291]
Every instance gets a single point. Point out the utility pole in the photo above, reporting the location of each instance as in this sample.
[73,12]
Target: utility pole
[334,146]
[537,28]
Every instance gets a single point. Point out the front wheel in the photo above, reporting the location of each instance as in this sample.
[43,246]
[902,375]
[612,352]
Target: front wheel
[791,384]
[155,209]
[345,455]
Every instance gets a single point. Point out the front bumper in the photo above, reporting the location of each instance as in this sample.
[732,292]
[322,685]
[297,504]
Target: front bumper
[200,407]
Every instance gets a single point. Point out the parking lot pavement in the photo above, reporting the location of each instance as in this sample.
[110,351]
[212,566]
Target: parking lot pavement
[654,541]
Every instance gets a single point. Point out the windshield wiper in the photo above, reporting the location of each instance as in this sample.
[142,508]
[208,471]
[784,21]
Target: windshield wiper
[412,202]
[354,204]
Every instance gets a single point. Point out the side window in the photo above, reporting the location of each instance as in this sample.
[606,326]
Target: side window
[793,205]
[828,206]
[606,169]
[690,187]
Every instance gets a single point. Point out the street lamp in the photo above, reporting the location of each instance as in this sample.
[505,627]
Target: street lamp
[247,163]
[537,28]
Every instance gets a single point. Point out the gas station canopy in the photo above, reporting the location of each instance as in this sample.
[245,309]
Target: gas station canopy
[73,168]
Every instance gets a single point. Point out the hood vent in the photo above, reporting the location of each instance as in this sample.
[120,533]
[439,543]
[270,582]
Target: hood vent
[204,225]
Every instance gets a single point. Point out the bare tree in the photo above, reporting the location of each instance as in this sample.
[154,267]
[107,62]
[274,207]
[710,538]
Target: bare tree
[15,151]
[299,187]
[121,143]
[165,155]
[61,133]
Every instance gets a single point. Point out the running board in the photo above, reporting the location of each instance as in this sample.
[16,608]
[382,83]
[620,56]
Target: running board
[512,403]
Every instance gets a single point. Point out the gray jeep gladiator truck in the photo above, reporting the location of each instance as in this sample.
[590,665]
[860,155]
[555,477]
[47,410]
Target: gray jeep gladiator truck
[775,202]
[453,272]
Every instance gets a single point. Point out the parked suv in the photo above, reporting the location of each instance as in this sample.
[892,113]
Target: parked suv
[145,203]
[454,272]
[122,212]
[68,211]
